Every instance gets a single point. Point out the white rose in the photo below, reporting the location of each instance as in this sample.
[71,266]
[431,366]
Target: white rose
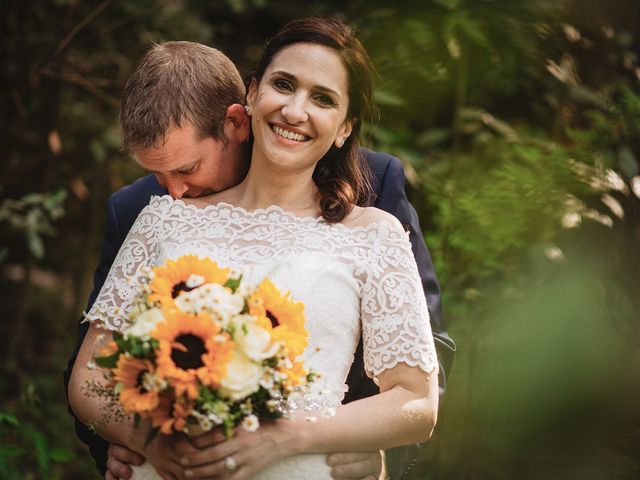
[211,297]
[255,341]
[242,377]
[145,323]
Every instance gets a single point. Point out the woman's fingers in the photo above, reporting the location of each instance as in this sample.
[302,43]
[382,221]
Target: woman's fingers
[230,465]
[209,455]
[208,439]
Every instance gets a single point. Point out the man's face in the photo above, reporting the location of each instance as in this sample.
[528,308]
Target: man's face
[191,167]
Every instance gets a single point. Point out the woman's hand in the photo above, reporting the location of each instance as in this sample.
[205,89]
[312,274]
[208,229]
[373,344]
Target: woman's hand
[243,455]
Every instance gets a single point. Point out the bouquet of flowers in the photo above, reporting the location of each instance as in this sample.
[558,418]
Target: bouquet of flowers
[202,349]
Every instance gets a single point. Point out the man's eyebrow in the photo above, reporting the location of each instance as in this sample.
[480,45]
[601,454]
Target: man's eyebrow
[320,88]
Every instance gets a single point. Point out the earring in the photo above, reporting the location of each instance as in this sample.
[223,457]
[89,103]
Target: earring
[340,143]
[247,109]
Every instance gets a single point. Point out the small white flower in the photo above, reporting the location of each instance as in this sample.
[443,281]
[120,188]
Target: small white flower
[205,423]
[194,281]
[267,383]
[91,364]
[153,383]
[145,323]
[250,423]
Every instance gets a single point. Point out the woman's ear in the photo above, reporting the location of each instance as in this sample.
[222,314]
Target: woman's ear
[344,131]
[252,93]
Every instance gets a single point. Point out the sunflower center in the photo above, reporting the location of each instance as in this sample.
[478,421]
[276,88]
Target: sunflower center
[178,288]
[273,318]
[190,356]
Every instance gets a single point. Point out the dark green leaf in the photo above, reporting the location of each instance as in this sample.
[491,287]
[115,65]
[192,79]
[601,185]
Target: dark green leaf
[108,362]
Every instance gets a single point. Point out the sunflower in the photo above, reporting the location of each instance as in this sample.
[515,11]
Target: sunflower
[192,347]
[183,275]
[171,414]
[140,384]
[281,316]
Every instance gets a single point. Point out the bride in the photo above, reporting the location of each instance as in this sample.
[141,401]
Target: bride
[293,219]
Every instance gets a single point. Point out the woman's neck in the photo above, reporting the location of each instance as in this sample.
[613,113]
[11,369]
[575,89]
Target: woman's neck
[292,191]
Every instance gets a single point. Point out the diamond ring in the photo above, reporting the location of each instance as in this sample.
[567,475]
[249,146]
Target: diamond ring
[230,463]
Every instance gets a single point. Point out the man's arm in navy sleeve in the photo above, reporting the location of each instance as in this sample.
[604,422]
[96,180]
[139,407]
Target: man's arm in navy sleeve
[123,208]
[392,198]
[111,242]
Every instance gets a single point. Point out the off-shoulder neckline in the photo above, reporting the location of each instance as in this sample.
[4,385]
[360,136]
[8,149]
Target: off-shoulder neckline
[267,211]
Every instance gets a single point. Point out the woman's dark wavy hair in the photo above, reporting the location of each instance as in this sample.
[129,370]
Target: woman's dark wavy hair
[342,176]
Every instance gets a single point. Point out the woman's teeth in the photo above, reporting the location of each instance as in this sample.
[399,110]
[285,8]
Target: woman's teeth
[290,135]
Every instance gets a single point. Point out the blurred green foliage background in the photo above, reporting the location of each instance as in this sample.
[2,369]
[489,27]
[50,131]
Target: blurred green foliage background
[518,122]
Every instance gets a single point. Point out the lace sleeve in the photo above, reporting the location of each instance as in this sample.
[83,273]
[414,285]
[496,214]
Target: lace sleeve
[138,252]
[395,319]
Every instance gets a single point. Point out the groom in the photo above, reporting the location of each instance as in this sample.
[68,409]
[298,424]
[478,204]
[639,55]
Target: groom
[182,120]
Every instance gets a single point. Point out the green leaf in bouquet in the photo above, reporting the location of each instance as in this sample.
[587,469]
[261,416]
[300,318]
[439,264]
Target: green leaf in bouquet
[228,427]
[110,361]
[120,341]
[151,435]
[233,283]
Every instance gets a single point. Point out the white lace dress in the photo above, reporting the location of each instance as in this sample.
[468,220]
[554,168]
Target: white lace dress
[353,281]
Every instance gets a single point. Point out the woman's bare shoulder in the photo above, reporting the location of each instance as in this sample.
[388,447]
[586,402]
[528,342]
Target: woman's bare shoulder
[365,216]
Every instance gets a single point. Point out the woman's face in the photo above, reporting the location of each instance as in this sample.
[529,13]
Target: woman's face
[299,108]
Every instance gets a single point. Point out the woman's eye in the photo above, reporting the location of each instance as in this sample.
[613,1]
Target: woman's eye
[325,100]
[283,85]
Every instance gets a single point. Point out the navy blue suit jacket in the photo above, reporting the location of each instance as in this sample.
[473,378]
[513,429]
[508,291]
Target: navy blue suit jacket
[389,185]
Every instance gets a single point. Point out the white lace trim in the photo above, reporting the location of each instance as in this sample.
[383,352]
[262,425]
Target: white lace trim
[392,308]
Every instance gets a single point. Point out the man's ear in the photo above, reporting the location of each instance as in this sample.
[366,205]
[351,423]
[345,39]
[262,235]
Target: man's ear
[237,123]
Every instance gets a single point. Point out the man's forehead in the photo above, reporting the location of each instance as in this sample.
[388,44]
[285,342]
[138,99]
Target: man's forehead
[166,160]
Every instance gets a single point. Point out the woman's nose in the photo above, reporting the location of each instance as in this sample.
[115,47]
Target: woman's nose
[295,109]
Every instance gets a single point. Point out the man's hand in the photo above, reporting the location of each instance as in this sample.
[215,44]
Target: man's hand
[119,460]
[355,466]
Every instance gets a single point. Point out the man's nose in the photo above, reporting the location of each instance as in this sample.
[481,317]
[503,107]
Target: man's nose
[295,110]
[175,187]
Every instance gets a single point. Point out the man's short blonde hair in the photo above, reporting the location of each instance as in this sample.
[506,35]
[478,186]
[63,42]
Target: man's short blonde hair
[174,83]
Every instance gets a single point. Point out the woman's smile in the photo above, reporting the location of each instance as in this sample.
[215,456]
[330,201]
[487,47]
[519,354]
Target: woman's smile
[289,133]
